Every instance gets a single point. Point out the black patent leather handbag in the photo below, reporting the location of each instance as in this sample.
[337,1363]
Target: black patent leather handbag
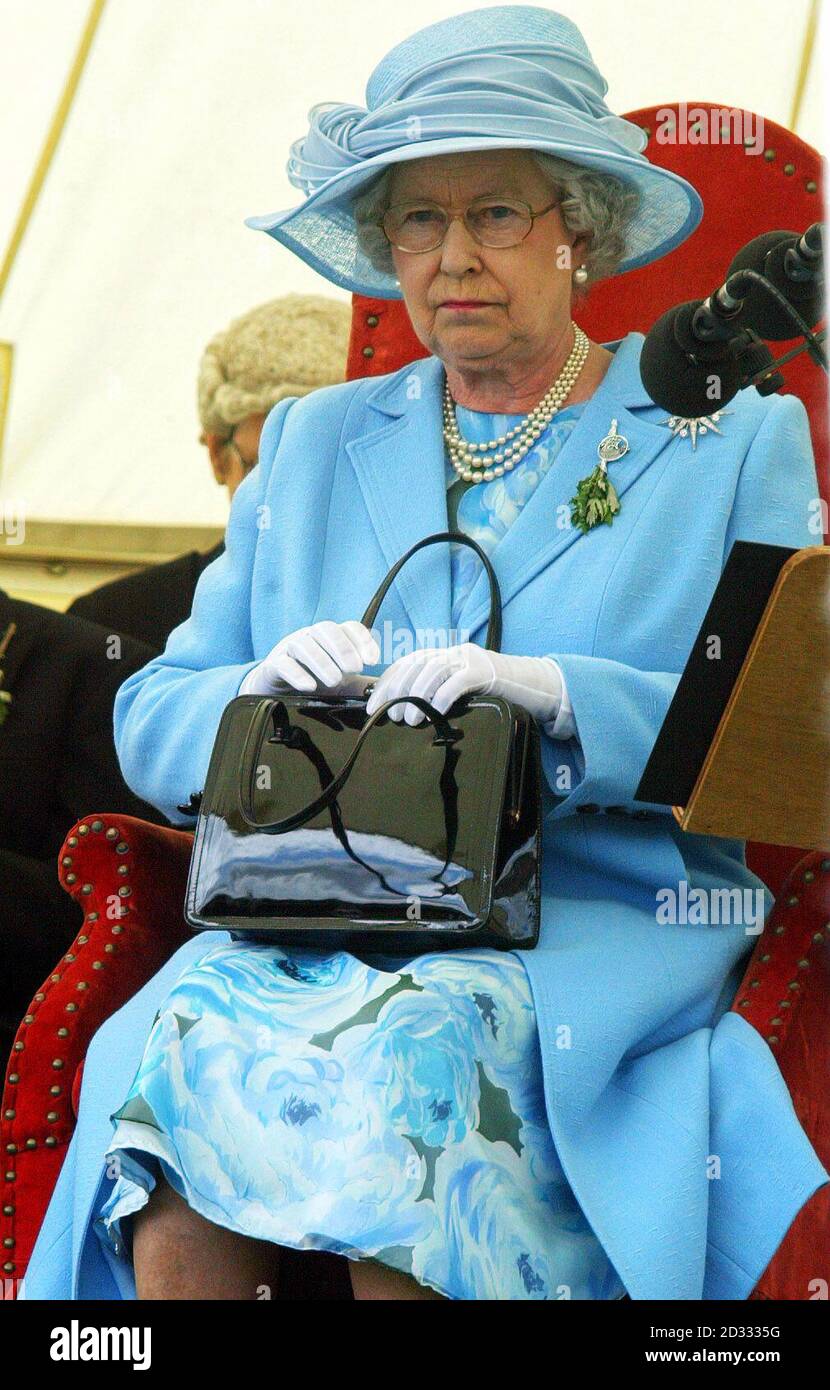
[321,826]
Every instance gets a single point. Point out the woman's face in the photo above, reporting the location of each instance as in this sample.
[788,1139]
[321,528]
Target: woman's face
[521,294]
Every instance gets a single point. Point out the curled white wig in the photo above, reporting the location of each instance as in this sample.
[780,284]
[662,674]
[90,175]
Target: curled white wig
[287,347]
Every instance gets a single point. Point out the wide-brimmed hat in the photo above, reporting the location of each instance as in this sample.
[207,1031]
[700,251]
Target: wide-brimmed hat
[511,77]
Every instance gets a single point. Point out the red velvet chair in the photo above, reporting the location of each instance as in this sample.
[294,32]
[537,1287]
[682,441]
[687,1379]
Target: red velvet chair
[129,876]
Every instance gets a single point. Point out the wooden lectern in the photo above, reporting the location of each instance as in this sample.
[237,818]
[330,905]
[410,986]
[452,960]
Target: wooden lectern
[761,706]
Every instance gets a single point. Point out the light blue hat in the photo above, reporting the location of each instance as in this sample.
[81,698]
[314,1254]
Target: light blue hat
[515,76]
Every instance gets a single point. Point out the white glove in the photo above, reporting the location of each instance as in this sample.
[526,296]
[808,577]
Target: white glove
[443,674]
[320,654]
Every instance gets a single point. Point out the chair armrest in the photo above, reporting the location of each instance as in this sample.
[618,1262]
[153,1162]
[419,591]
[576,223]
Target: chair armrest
[129,877]
[785,994]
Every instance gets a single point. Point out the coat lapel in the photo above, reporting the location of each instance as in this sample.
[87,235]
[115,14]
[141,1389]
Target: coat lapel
[405,493]
[406,497]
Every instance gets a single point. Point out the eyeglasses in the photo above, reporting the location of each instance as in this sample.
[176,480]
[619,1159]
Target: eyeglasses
[494,222]
[247,464]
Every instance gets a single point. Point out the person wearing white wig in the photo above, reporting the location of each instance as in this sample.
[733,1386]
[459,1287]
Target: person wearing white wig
[585,1118]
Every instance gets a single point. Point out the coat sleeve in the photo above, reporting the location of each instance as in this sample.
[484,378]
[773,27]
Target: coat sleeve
[166,715]
[617,710]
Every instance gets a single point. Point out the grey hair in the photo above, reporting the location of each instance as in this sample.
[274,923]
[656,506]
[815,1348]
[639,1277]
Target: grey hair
[591,203]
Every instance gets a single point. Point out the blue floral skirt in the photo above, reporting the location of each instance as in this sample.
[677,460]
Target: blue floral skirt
[323,1103]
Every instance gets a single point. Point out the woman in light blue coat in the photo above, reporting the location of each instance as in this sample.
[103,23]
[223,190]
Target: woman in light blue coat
[579,1120]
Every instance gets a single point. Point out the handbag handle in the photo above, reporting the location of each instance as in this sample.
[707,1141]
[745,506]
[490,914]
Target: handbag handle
[283,731]
[492,641]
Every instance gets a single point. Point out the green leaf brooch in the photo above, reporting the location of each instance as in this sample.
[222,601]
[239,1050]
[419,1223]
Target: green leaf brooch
[596,497]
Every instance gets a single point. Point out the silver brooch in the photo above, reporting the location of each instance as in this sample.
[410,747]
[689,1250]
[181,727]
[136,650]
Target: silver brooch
[693,425]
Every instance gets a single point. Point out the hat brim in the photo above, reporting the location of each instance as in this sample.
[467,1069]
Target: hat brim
[321,230]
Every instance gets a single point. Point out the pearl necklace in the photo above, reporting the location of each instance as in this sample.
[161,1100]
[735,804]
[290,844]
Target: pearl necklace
[509,449]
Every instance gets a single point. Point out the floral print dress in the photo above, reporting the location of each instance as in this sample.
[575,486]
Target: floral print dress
[381,1108]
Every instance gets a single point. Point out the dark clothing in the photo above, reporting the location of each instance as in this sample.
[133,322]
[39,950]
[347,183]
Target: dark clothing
[149,604]
[57,763]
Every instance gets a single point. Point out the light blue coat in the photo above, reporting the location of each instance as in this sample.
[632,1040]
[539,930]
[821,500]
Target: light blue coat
[670,1116]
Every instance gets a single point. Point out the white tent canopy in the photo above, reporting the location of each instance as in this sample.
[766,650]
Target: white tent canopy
[137,253]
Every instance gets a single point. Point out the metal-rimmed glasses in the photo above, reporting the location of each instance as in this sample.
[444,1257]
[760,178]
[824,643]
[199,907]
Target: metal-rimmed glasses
[421,225]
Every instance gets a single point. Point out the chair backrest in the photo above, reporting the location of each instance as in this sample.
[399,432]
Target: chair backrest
[743,195]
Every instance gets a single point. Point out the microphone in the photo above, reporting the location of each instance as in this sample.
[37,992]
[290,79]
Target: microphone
[795,266]
[698,355]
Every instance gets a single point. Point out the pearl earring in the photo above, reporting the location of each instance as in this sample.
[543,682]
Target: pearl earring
[580,275]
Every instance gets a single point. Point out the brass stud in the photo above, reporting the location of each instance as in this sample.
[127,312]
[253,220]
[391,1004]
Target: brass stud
[368,352]
[109,947]
[97,965]
[54,1090]
[772,1038]
[811,185]
[124,891]
[817,936]
[776,1022]
[9,1114]
[81,940]
[11,1148]
[71,878]
[113,833]
[70,956]
[83,829]
[72,841]
[789,168]
[92,916]
[8,1267]
[56,979]
[97,825]
[765,958]
[57,1063]
[28,1018]
[67,860]
[123,848]
[10,1176]
[71,1008]
[769,156]
[18,1047]
[86,888]
[31,1143]
[13,1078]
[785,1003]
[794,984]
[123,869]
[82,984]
[779,931]
[753,984]
[792,901]
[116,930]
[804,964]
[8,1209]
[825,866]
[808,875]
[52,1116]
[63,1032]
[744,1004]
[372,320]
[51,1142]
[8,1242]
[40,996]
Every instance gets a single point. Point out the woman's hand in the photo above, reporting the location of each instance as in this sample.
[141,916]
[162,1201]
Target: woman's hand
[321,654]
[443,674]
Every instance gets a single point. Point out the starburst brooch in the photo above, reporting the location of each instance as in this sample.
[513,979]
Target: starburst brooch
[693,425]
